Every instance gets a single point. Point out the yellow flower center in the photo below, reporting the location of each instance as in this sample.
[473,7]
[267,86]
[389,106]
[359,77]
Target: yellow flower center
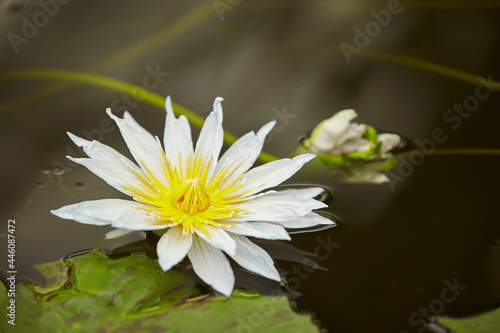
[189,199]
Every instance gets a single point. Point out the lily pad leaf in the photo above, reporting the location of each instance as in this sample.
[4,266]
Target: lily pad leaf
[56,275]
[484,323]
[92,293]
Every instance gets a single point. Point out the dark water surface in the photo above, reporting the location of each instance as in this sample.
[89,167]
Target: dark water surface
[397,247]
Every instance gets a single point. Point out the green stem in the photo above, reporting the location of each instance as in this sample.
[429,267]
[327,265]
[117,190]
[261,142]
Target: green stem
[30,199]
[430,67]
[456,151]
[120,86]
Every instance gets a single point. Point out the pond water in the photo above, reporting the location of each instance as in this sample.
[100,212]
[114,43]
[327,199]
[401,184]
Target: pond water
[428,239]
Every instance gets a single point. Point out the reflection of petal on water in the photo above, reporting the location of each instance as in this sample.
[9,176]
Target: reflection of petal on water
[286,251]
[247,280]
[370,177]
[313,229]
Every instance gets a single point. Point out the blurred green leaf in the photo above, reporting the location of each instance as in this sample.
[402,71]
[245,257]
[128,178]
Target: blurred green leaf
[355,155]
[485,323]
[92,293]
[388,164]
[332,160]
[370,133]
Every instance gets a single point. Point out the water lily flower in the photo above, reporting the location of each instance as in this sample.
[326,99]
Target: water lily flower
[357,151]
[201,204]
[338,135]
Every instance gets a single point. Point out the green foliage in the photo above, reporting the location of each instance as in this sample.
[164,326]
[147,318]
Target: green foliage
[485,323]
[370,133]
[92,293]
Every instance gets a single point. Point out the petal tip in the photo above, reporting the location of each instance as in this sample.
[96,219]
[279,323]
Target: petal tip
[76,139]
[264,130]
[111,115]
[168,106]
[127,116]
[320,204]
[304,158]
[224,291]
[218,104]
[60,212]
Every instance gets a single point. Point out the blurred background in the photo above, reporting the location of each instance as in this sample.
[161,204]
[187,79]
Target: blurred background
[409,67]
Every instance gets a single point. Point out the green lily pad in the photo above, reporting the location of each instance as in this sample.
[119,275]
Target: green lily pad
[92,293]
[56,275]
[484,323]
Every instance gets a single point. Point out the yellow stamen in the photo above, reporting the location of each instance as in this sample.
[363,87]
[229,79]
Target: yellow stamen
[190,199]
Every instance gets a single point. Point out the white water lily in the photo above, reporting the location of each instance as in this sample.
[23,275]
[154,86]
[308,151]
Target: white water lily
[338,135]
[203,205]
[356,151]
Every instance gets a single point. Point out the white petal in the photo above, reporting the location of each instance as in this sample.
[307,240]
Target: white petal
[389,142]
[272,174]
[352,132]
[97,212]
[139,220]
[259,229]
[244,152]
[253,258]
[211,138]
[127,117]
[172,247]
[279,206]
[306,192]
[98,151]
[117,233]
[309,220]
[142,145]
[324,136]
[123,214]
[115,174]
[211,266]
[352,146]
[177,137]
[218,239]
